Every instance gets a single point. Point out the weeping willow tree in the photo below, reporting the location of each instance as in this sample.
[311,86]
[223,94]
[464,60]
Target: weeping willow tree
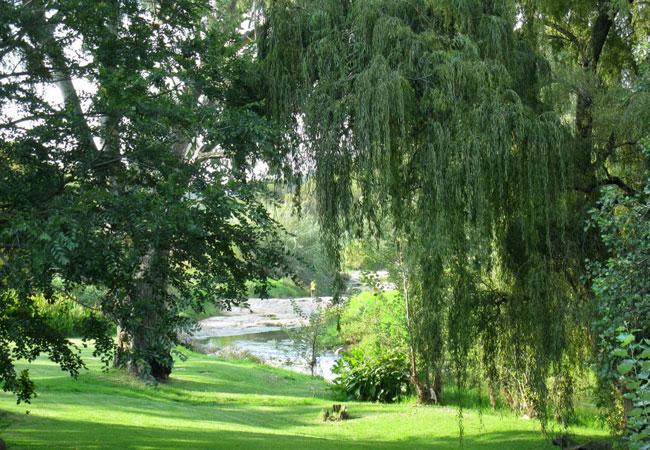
[431,113]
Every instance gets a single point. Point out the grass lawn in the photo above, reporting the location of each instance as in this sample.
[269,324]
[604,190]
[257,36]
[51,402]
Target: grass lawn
[214,403]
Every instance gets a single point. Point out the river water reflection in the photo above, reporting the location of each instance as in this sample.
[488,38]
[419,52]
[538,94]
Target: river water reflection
[273,347]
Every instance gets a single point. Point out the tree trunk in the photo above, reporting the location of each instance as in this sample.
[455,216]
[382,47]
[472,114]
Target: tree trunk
[141,346]
[424,394]
[121,349]
[584,121]
[150,357]
[135,353]
[436,390]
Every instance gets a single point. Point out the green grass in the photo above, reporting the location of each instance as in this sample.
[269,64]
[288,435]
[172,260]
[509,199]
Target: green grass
[215,403]
[286,288]
[209,310]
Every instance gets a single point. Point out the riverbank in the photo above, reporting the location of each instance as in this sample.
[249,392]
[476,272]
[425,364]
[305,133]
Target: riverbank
[259,316]
[259,331]
[212,403]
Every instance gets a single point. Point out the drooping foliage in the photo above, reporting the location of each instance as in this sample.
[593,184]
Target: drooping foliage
[306,254]
[432,110]
[600,56]
[376,364]
[622,289]
[135,175]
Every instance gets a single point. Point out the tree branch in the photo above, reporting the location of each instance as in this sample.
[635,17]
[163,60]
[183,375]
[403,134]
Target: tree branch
[623,144]
[617,181]
[52,48]
[209,155]
[566,34]
[599,33]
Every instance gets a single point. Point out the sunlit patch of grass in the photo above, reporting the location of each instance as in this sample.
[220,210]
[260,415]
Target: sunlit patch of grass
[215,403]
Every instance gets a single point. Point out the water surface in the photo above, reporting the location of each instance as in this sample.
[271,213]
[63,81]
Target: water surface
[273,347]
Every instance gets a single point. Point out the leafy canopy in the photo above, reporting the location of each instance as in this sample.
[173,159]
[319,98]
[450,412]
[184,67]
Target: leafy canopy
[433,111]
[136,175]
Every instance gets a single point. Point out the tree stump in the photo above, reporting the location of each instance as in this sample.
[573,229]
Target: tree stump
[339,412]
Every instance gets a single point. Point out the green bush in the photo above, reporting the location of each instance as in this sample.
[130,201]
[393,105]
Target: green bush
[375,321]
[621,288]
[384,379]
[208,310]
[376,367]
[632,356]
[285,288]
[70,312]
[282,288]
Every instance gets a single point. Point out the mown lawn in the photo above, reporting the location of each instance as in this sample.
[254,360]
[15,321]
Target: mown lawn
[214,403]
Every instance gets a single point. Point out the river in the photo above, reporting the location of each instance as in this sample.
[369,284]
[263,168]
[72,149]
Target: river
[260,330]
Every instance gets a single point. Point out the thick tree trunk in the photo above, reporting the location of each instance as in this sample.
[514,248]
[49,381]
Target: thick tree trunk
[140,346]
[584,121]
[134,353]
[151,355]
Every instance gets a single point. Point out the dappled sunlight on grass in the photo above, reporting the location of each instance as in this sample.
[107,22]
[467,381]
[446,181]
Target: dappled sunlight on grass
[213,403]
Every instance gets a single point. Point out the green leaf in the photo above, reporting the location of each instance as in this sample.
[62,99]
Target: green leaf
[625,339]
[625,366]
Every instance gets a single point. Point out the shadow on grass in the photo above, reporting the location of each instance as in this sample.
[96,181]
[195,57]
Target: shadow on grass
[37,432]
[270,385]
[478,400]
[275,417]
[225,386]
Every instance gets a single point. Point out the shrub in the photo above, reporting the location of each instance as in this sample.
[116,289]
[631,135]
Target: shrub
[633,365]
[621,287]
[376,368]
[384,378]
[375,321]
[70,312]
[63,314]
[282,288]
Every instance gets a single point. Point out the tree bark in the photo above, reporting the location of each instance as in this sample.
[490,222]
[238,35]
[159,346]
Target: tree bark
[121,348]
[149,359]
[43,37]
[424,394]
[584,120]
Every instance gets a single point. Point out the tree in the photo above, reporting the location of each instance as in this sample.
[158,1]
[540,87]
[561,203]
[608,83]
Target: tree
[434,111]
[308,339]
[622,290]
[138,177]
[599,55]
[306,257]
